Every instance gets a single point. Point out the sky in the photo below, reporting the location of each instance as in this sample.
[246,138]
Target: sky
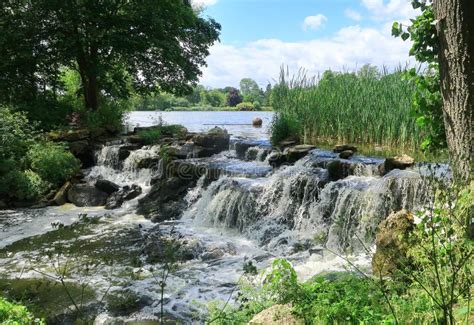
[258,37]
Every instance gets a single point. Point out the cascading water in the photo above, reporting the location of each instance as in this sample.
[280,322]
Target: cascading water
[251,212]
[299,203]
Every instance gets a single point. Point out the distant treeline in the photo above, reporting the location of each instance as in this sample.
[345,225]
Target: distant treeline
[248,97]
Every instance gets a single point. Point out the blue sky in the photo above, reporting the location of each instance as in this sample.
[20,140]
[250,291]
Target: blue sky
[259,36]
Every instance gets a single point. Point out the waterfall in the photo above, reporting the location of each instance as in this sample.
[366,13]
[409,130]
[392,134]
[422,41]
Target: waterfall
[126,171]
[299,203]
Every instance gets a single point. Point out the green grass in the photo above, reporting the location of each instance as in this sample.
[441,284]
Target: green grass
[368,107]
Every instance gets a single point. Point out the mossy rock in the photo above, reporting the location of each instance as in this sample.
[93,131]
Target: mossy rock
[392,243]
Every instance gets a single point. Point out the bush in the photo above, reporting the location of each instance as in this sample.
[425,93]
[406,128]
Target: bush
[52,162]
[12,314]
[245,106]
[109,116]
[22,185]
[16,134]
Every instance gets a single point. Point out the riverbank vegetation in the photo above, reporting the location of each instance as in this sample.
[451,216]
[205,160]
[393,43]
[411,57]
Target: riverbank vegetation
[364,107]
[30,165]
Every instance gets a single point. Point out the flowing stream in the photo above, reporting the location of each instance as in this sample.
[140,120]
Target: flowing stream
[253,212]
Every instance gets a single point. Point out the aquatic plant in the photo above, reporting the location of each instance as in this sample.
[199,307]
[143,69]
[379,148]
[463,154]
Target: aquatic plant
[368,106]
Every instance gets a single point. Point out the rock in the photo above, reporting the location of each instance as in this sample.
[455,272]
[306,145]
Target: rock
[287,143]
[126,193]
[149,162]
[391,243]
[83,151]
[60,197]
[257,121]
[297,152]
[346,154]
[84,195]
[276,315]
[125,150]
[398,162]
[216,139]
[242,147]
[338,170]
[343,147]
[3,205]
[106,186]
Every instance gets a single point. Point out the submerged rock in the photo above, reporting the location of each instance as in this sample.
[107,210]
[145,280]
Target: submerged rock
[398,162]
[257,121]
[84,195]
[391,243]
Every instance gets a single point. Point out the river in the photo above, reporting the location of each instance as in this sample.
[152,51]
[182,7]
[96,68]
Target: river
[251,213]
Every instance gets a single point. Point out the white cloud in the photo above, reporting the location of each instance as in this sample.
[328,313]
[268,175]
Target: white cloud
[314,22]
[391,10]
[352,14]
[203,3]
[349,48]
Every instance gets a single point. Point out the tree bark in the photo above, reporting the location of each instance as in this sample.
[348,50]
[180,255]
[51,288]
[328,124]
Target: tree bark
[455,27]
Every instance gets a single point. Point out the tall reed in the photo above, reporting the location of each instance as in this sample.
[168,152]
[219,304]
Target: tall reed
[367,107]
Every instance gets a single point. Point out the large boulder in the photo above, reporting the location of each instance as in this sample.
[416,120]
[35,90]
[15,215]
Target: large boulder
[241,147]
[216,139]
[346,154]
[126,193]
[398,162]
[60,197]
[276,315]
[392,243]
[84,195]
[290,155]
[106,186]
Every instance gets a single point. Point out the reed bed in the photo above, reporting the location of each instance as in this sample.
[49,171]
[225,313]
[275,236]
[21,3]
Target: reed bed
[367,107]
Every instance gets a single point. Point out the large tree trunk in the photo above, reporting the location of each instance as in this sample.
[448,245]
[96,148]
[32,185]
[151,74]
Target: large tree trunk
[455,26]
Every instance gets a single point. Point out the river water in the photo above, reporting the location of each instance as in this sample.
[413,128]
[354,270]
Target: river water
[251,213]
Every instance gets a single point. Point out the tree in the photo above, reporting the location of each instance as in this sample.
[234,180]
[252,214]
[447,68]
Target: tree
[113,44]
[455,29]
[233,97]
[250,90]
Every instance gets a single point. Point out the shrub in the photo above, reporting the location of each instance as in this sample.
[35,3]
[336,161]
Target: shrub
[123,303]
[22,185]
[109,116]
[12,314]
[245,106]
[52,162]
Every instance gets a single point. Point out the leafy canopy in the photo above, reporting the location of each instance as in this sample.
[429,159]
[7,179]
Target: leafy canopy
[113,44]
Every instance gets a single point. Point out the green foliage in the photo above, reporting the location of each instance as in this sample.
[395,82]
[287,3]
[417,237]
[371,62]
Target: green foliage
[153,134]
[370,107]
[426,101]
[284,127]
[52,162]
[12,314]
[245,106]
[29,166]
[250,90]
[166,48]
